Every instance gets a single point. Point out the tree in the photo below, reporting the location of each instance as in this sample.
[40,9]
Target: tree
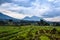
[1,22]
[10,22]
[43,23]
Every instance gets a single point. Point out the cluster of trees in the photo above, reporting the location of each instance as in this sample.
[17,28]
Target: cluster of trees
[15,22]
[25,22]
[45,23]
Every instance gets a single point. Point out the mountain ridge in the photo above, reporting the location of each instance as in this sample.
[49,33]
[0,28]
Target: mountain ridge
[33,18]
[2,16]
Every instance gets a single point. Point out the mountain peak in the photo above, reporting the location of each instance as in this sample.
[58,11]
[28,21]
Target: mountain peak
[3,16]
[33,18]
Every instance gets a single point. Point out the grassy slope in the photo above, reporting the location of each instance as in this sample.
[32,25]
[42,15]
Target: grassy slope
[25,32]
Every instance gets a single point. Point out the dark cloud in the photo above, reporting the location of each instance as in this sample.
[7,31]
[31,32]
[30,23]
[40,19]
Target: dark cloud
[4,1]
[51,14]
[24,3]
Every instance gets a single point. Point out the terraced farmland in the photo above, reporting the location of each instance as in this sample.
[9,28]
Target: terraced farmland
[29,33]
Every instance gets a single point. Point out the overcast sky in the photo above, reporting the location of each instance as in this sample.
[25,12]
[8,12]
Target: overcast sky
[47,9]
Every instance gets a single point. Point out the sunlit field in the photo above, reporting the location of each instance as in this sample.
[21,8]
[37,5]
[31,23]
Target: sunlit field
[29,33]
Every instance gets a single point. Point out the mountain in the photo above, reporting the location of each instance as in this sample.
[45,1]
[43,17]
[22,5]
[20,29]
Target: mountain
[33,18]
[6,17]
[2,16]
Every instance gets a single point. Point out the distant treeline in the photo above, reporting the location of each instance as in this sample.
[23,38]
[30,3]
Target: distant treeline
[26,22]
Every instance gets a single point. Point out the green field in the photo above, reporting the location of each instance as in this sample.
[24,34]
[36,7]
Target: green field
[29,33]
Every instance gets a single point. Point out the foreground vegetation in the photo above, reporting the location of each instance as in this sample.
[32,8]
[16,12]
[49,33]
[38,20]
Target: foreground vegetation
[29,33]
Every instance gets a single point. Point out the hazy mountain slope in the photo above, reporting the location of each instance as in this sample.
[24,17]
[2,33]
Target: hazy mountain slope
[33,18]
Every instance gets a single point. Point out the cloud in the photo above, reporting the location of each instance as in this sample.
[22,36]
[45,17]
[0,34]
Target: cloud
[51,0]
[53,13]
[36,10]
[55,3]
[54,19]
[41,8]
[12,14]
[21,0]
[25,3]
[10,6]
[4,1]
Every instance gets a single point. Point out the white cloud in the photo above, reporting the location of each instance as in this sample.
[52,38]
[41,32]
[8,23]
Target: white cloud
[54,1]
[51,0]
[54,19]
[12,14]
[10,6]
[21,0]
[37,9]
[57,1]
